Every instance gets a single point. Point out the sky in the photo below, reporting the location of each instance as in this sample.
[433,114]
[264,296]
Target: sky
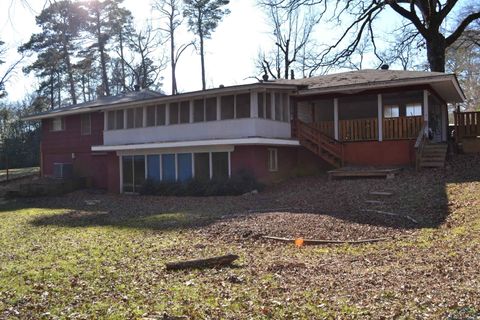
[230,54]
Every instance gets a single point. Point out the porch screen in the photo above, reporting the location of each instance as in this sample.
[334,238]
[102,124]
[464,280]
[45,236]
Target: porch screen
[185,112]
[168,167]
[161,115]
[228,108]
[173,113]
[184,161]
[243,106]
[211,109]
[153,166]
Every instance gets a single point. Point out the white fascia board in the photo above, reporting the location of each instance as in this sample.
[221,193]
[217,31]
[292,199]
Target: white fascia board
[200,143]
[354,88]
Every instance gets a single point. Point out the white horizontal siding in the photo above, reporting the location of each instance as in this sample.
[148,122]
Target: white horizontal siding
[223,129]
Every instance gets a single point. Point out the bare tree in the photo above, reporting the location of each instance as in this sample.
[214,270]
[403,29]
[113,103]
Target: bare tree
[144,68]
[292,29]
[425,17]
[8,72]
[171,12]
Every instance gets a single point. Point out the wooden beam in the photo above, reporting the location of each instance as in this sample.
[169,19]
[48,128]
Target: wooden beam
[335,118]
[380,116]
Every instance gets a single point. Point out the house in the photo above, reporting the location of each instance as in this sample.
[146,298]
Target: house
[274,129]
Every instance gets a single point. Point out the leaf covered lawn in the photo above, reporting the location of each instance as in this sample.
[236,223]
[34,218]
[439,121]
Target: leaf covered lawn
[86,255]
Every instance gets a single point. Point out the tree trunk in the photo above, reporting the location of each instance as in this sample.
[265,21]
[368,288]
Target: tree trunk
[122,62]
[436,48]
[103,62]
[71,81]
[172,59]
[202,58]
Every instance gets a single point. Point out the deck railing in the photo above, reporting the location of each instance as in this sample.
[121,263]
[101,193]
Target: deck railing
[358,129]
[467,125]
[367,129]
[401,127]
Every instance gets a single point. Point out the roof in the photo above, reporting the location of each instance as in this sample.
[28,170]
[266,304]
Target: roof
[128,97]
[132,98]
[446,85]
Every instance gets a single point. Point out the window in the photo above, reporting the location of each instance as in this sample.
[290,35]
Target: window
[278,107]
[138,117]
[151,116]
[130,118]
[133,169]
[272,160]
[119,119]
[110,120]
[268,106]
[58,124]
[199,110]
[184,165]
[115,120]
[153,167]
[286,111]
[211,109]
[86,125]
[220,165]
[161,116]
[261,105]
[202,166]
[173,113]
[242,107]
[413,109]
[168,168]
[185,112]
[391,111]
[227,107]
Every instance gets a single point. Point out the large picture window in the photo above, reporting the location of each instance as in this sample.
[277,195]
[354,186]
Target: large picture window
[220,165]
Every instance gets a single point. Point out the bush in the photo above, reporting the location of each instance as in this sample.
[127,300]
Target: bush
[240,183]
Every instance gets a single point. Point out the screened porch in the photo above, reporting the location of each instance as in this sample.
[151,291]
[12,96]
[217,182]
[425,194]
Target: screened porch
[373,117]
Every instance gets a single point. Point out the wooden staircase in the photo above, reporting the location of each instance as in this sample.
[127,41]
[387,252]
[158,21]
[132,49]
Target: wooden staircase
[433,155]
[319,143]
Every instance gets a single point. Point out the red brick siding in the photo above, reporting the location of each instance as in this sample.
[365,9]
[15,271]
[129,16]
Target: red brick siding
[385,153]
[70,146]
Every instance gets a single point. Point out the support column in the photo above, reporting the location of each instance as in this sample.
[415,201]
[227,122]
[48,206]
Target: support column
[335,118]
[105,120]
[191,109]
[219,104]
[445,122]
[380,117]
[253,104]
[167,114]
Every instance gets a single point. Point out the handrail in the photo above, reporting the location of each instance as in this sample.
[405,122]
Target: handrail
[419,144]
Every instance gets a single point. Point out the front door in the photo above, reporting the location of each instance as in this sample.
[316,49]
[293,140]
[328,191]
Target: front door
[435,122]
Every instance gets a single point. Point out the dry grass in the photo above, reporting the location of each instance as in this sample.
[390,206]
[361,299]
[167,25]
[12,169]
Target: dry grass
[64,258]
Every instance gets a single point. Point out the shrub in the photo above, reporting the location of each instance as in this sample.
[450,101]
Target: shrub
[240,183]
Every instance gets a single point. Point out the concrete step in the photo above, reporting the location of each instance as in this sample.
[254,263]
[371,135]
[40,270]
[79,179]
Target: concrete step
[381,193]
[432,164]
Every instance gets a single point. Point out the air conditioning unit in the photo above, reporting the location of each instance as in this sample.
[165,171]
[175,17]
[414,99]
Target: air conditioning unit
[62,170]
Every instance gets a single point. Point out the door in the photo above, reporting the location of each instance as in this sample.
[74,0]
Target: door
[133,171]
[435,122]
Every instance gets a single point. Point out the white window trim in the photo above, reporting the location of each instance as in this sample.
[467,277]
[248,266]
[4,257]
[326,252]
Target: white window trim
[62,124]
[273,159]
[89,125]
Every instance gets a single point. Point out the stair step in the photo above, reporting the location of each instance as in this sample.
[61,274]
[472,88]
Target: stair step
[381,193]
[432,164]
[374,202]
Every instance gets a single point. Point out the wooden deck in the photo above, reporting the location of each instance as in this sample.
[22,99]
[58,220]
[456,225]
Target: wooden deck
[363,172]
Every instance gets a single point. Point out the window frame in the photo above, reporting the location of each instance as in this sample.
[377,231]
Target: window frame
[414,105]
[272,159]
[391,107]
[54,121]
[83,117]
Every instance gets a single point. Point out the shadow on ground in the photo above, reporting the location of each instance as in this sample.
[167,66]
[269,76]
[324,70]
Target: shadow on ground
[419,197]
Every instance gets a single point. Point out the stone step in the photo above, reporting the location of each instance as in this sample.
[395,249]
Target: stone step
[381,193]
[432,164]
[374,202]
